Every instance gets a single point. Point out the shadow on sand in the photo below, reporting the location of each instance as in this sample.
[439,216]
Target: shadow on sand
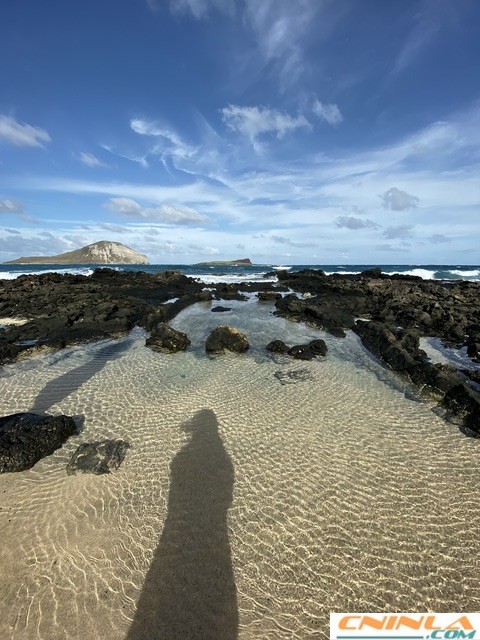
[59,388]
[189,592]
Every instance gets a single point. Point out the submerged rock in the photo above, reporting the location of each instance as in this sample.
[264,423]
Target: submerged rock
[164,338]
[220,309]
[26,438]
[308,351]
[269,296]
[277,346]
[226,337]
[98,457]
[293,376]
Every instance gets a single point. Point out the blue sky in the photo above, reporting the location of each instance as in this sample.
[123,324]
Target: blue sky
[288,131]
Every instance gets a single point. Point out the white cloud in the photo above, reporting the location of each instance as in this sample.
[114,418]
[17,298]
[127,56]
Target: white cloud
[398,200]
[141,160]
[90,160]
[22,135]
[328,112]
[10,205]
[351,222]
[166,213]
[254,121]
[168,142]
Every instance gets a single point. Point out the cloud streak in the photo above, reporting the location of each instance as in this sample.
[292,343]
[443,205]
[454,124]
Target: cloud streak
[22,135]
[166,213]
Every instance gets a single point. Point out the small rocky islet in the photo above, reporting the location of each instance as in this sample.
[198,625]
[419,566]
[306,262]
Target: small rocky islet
[389,314]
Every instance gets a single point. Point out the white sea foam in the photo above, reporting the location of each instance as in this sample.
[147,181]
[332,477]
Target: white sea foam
[467,274]
[280,267]
[12,275]
[233,277]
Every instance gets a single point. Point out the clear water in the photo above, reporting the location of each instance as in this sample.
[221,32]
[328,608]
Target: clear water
[245,507]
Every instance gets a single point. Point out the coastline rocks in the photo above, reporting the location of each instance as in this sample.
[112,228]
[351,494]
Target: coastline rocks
[225,337]
[307,351]
[26,438]
[164,338]
[98,457]
[269,296]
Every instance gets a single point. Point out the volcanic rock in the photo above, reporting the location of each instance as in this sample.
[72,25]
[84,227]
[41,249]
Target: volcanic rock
[165,338]
[226,337]
[26,438]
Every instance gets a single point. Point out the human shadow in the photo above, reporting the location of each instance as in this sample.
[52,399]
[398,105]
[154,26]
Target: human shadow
[189,592]
[59,388]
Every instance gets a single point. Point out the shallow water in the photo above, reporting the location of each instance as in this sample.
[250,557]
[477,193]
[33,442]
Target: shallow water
[245,507]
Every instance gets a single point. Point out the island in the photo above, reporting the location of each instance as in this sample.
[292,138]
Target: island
[242,262]
[103,252]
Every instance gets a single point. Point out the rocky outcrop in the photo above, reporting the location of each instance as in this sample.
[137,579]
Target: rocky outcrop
[26,438]
[228,338]
[277,346]
[65,309]
[220,309]
[98,457]
[269,296]
[164,338]
[102,252]
[307,351]
[399,350]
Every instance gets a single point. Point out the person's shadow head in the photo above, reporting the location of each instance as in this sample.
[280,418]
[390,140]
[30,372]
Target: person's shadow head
[189,591]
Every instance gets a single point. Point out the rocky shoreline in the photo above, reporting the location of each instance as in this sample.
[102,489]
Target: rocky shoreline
[389,313]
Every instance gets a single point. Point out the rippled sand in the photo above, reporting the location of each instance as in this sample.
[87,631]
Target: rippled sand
[245,507]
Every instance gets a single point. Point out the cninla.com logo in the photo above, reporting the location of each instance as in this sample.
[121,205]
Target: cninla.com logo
[404,626]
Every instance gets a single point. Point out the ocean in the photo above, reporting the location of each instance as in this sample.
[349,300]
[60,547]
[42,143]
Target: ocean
[256,272]
[258,494]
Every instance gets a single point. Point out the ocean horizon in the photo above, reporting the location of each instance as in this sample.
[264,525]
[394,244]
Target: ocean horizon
[238,273]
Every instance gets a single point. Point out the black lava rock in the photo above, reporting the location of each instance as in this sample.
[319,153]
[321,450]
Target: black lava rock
[26,438]
[226,337]
[164,338]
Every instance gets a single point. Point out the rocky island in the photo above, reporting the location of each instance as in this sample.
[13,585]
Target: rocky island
[242,262]
[103,252]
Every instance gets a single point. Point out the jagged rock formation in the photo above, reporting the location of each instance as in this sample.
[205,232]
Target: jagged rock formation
[103,252]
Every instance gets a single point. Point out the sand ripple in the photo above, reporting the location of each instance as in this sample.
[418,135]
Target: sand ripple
[348,493]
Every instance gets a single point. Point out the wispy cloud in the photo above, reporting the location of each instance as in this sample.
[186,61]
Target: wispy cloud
[351,222]
[438,238]
[166,213]
[255,121]
[401,232]
[90,160]
[15,207]
[281,29]
[328,112]
[291,243]
[139,159]
[201,8]
[22,135]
